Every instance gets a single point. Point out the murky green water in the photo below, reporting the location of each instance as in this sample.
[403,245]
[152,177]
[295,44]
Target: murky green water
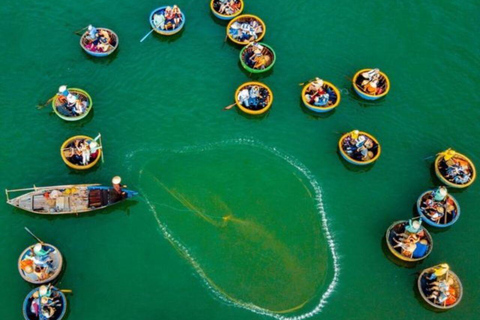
[241,198]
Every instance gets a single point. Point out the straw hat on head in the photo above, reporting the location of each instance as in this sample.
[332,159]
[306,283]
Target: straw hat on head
[116,180]
[37,249]
[62,88]
[449,154]
[28,269]
[44,300]
[43,290]
[318,82]
[93,146]
[90,27]
[355,134]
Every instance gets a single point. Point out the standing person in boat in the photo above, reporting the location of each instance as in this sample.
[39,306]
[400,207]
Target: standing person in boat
[92,33]
[117,188]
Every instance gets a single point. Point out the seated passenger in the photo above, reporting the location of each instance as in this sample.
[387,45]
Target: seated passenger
[92,33]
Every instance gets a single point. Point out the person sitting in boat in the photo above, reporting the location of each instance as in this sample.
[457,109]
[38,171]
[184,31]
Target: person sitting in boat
[40,257]
[103,44]
[411,241]
[63,94]
[359,147]
[437,204]
[159,21]
[371,82]
[169,18]
[177,15]
[92,33]
[443,292]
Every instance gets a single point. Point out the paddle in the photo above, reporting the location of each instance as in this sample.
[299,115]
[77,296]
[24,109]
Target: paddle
[230,106]
[40,106]
[77,32]
[31,233]
[101,146]
[66,291]
[146,35]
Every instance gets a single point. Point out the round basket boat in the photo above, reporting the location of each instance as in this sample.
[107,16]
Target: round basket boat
[263,90]
[384,86]
[452,158]
[376,149]
[94,50]
[61,109]
[258,28]
[333,100]
[167,24]
[214,6]
[397,228]
[32,272]
[441,222]
[32,303]
[455,289]
[67,151]
[267,53]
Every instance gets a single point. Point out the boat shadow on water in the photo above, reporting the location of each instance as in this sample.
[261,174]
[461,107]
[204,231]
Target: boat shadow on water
[395,260]
[220,22]
[102,60]
[168,39]
[252,117]
[255,76]
[315,115]
[75,124]
[419,298]
[362,102]
[352,167]
[124,206]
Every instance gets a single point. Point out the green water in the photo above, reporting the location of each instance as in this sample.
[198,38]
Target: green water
[164,95]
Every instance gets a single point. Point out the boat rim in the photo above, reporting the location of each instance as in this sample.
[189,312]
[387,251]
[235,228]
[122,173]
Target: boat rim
[253,112]
[378,96]
[356,161]
[335,89]
[264,26]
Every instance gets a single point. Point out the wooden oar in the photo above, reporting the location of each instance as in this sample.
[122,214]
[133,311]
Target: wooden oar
[40,106]
[31,233]
[101,146]
[230,106]
[146,35]
[66,291]
[77,32]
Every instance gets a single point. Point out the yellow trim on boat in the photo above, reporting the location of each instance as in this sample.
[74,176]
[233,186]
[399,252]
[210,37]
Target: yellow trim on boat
[264,28]
[253,112]
[323,109]
[226,16]
[74,166]
[456,155]
[367,94]
[344,154]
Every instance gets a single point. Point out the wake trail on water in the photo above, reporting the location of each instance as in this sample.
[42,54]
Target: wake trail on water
[230,218]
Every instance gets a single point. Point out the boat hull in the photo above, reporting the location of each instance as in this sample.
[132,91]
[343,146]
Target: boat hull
[318,109]
[74,118]
[165,32]
[422,288]
[69,199]
[451,184]
[252,70]
[367,96]
[249,111]
[75,166]
[100,54]
[353,161]
[57,263]
[432,223]
[59,315]
[388,236]
[224,16]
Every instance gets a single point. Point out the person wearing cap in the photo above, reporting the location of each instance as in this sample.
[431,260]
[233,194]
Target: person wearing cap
[92,33]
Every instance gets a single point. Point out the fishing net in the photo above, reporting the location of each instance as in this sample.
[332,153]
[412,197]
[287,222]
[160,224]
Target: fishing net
[247,220]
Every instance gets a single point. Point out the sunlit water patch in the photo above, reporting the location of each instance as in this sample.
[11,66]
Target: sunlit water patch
[250,220]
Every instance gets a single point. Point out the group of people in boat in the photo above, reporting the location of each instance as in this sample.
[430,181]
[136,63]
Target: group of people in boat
[168,19]
[45,302]
[246,31]
[227,7]
[359,147]
[256,56]
[38,262]
[440,286]
[411,242]
[99,40]
[320,95]
[82,151]
[254,97]
[70,103]
[455,169]
[438,206]
[371,82]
